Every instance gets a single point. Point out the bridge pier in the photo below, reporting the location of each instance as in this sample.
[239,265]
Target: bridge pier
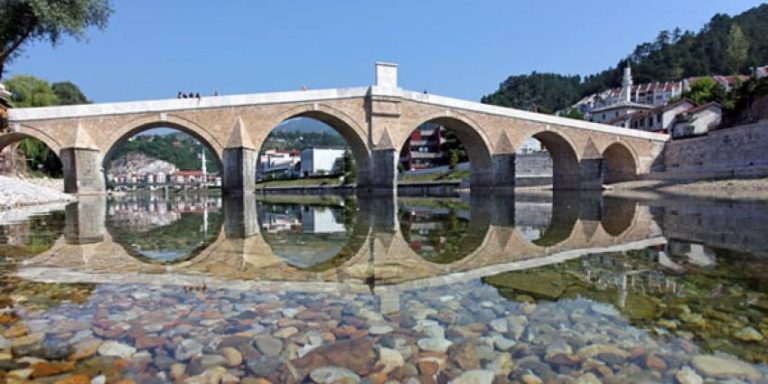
[240,219]
[591,174]
[82,170]
[381,176]
[239,170]
[503,171]
[84,220]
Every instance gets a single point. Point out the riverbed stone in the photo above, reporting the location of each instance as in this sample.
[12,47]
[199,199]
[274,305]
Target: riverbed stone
[233,357]
[334,375]
[115,349]
[380,329]
[749,334]
[475,376]
[390,359]
[187,349]
[434,344]
[688,376]
[724,367]
[269,345]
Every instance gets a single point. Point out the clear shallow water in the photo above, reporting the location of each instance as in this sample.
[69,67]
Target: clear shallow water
[300,289]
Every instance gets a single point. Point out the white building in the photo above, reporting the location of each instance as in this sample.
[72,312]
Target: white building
[618,111]
[278,163]
[697,121]
[660,119]
[598,107]
[318,161]
[320,220]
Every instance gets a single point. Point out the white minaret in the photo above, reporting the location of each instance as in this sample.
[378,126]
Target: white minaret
[205,177]
[626,84]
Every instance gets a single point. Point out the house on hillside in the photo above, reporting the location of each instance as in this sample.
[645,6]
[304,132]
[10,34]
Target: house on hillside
[660,119]
[422,149]
[697,121]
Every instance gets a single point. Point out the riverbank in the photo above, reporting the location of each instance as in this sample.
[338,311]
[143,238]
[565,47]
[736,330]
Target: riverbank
[738,189]
[16,192]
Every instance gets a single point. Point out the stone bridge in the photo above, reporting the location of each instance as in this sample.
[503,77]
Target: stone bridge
[375,121]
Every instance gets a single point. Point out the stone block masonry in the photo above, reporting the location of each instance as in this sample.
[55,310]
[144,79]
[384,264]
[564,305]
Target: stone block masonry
[738,152]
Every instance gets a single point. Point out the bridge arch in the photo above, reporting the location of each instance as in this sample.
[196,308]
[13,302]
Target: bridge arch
[619,163]
[341,122]
[128,130]
[26,131]
[566,170]
[207,138]
[472,137]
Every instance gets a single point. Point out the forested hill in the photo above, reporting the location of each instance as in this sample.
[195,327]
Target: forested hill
[725,45]
[179,149]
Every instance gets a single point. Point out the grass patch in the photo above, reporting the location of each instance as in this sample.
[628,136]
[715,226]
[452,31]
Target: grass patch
[436,176]
[310,182]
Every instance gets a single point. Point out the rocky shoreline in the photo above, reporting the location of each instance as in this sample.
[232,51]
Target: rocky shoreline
[16,192]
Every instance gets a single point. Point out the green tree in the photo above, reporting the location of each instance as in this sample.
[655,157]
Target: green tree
[572,113]
[349,168]
[453,159]
[29,91]
[68,93]
[705,90]
[738,47]
[451,143]
[23,21]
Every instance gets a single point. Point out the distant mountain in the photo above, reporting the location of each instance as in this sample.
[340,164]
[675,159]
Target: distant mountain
[725,45]
[303,124]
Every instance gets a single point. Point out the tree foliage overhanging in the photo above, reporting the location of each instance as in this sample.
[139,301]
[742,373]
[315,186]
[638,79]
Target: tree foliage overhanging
[725,45]
[23,21]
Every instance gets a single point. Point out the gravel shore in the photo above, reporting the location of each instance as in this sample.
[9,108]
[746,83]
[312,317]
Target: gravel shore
[16,192]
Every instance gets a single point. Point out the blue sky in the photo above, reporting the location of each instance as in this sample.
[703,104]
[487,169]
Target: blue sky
[153,49]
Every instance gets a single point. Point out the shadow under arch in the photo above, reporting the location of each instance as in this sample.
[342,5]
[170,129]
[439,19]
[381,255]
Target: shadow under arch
[619,164]
[565,214]
[618,215]
[444,231]
[52,163]
[344,125]
[473,140]
[27,132]
[566,170]
[311,233]
[157,232]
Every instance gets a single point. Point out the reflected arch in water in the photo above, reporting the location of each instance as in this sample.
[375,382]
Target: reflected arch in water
[156,230]
[312,233]
[619,163]
[442,231]
[562,209]
[618,215]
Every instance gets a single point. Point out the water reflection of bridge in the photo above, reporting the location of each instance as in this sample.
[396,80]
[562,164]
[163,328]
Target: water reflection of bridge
[376,251]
